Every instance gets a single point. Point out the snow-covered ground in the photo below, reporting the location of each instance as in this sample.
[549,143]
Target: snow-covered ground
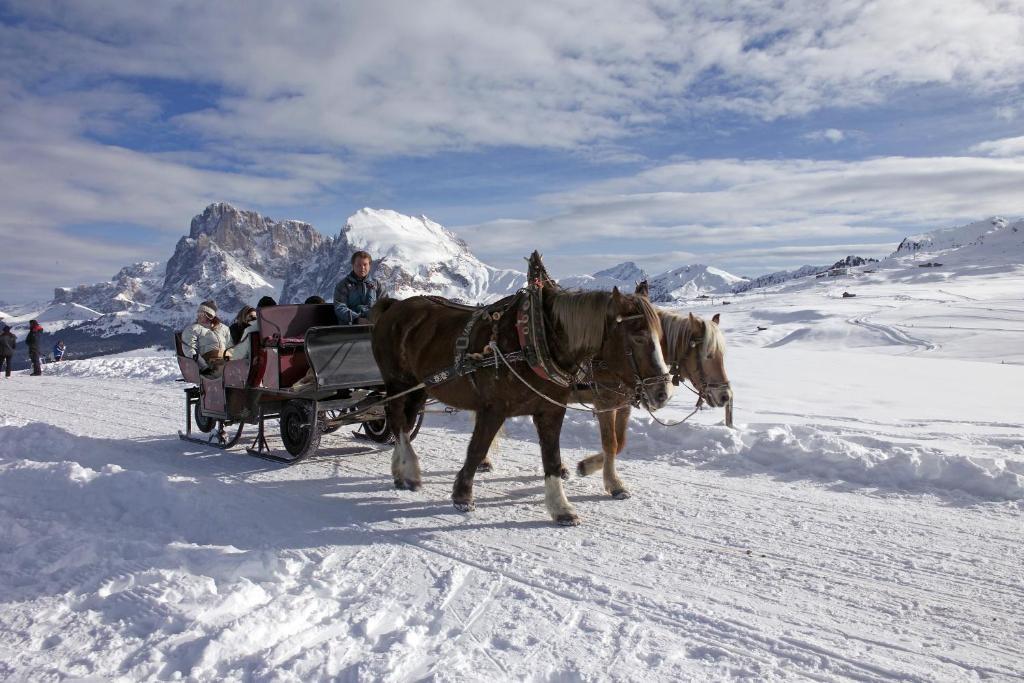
[862,521]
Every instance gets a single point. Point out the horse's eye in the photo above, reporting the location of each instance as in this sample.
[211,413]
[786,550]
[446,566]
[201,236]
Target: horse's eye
[638,338]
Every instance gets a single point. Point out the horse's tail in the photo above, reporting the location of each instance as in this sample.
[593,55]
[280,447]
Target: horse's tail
[381,307]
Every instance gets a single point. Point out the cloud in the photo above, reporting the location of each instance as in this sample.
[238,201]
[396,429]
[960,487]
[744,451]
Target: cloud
[447,75]
[750,212]
[827,135]
[1005,147]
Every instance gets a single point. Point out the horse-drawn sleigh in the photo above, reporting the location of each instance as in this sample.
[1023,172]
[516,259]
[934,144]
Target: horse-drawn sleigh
[271,384]
[532,353]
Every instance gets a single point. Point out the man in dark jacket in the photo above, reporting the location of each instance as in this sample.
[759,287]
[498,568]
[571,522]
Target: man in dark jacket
[35,331]
[357,293]
[7,343]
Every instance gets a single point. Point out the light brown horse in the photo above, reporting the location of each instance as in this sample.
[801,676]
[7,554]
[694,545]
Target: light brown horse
[414,339]
[695,349]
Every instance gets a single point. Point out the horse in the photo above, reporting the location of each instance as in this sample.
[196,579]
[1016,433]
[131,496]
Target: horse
[695,349]
[413,341]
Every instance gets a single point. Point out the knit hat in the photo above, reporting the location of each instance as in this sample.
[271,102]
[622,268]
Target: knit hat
[205,308]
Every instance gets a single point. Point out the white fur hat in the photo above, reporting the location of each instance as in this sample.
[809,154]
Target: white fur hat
[207,310]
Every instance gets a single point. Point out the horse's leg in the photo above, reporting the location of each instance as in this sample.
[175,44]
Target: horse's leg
[405,464]
[612,483]
[487,465]
[487,425]
[549,430]
[592,463]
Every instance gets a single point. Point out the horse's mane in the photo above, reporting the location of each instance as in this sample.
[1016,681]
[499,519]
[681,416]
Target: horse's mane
[582,316]
[678,335]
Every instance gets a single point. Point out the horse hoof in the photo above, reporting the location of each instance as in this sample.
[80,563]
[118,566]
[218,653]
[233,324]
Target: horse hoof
[621,494]
[485,466]
[564,473]
[399,484]
[412,485]
[581,469]
[567,520]
[464,506]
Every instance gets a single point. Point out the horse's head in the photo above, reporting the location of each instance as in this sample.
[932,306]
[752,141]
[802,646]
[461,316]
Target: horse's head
[633,350]
[697,349]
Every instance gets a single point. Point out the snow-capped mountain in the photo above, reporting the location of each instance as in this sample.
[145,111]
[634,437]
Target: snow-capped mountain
[782,276]
[412,255]
[995,240]
[687,282]
[233,257]
[624,276]
[132,289]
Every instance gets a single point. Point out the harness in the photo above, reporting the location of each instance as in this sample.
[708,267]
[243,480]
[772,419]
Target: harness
[705,386]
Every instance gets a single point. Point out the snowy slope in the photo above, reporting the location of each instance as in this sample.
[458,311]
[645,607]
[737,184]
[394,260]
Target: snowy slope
[624,276]
[861,522]
[689,282]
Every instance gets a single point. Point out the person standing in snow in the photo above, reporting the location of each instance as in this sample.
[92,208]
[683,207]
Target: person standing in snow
[7,343]
[35,331]
[58,351]
[356,294]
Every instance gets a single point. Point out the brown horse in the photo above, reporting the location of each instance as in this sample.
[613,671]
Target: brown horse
[415,339]
[695,349]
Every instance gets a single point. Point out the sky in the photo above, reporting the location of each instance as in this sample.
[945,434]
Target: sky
[750,136]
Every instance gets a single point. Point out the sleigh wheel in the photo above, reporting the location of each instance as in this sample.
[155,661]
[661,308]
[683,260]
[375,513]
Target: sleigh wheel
[381,432]
[301,428]
[204,423]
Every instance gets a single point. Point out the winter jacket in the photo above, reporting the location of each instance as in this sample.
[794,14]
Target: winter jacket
[223,333]
[32,340]
[237,330]
[353,298]
[244,346]
[7,343]
[58,352]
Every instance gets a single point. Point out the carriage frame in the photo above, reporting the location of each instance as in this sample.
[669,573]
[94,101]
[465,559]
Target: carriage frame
[346,388]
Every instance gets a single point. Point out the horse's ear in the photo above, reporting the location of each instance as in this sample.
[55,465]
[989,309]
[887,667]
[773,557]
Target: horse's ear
[693,321]
[718,316]
[616,295]
[643,289]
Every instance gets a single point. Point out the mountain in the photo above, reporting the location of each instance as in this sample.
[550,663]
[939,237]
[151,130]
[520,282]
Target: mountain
[233,257]
[688,282]
[412,255]
[782,276]
[624,276]
[992,241]
[133,288]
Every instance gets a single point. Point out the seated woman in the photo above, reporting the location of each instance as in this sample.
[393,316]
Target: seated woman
[244,345]
[245,317]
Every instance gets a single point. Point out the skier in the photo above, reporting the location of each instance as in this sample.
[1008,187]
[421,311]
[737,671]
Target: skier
[58,351]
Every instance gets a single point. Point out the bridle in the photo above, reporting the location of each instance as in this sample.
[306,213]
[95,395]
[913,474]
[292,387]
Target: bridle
[640,383]
[705,386]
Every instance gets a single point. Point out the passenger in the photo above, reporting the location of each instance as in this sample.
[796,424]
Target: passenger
[206,346]
[219,328]
[245,317]
[356,294]
[244,346]
[58,351]
[7,344]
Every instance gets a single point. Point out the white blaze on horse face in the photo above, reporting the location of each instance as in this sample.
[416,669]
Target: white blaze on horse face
[661,368]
